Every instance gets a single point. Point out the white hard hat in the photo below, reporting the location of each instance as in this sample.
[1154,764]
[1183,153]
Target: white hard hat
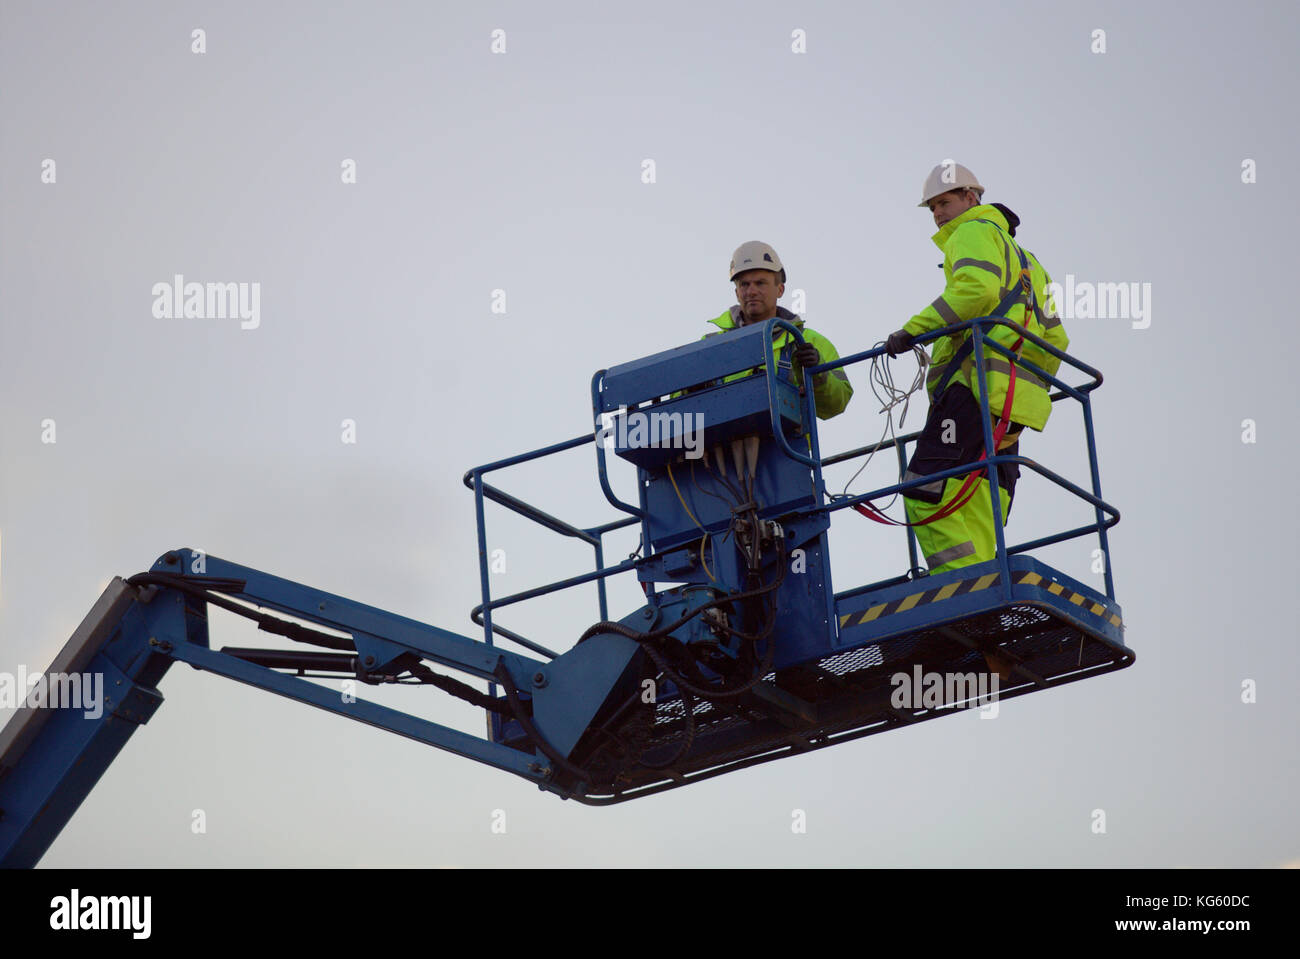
[754,255]
[948,176]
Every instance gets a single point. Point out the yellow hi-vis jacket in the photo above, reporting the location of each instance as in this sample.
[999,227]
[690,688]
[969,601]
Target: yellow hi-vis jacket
[834,393]
[981,265]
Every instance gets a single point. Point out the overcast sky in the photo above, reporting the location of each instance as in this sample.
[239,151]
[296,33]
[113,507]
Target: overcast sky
[1156,152]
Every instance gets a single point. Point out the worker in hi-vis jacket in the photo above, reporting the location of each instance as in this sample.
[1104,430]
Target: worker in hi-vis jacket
[759,279]
[982,267]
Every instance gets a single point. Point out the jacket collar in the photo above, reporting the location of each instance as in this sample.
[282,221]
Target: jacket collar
[981,212]
[731,319]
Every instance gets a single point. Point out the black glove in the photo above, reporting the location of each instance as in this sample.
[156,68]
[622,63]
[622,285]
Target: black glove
[899,342]
[806,355]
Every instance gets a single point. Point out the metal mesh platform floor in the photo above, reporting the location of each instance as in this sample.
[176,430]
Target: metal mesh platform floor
[861,691]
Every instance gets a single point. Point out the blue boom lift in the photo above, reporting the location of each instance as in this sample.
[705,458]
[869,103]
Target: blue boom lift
[743,652]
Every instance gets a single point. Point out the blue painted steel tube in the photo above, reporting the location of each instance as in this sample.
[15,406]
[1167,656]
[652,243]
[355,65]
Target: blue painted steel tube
[1039,341]
[600,583]
[474,479]
[1078,393]
[990,451]
[899,441]
[599,574]
[1096,489]
[769,373]
[476,614]
[646,541]
[810,409]
[866,354]
[1100,505]
[483,563]
[1062,537]
[525,457]
[984,321]
[1064,483]
[346,615]
[616,524]
[845,502]
[601,469]
[452,740]
[819,485]
[541,517]
[911,534]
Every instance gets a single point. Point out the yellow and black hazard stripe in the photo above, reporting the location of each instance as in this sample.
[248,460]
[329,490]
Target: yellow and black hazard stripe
[970,586]
[1078,599]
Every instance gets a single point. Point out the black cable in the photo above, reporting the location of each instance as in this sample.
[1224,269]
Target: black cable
[688,741]
[759,636]
[765,666]
[608,626]
[731,526]
[646,641]
[507,682]
[635,752]
[460,690]
[706,492]
[265,622]
[706,693]
[302,634]
[738,500]
[685,686]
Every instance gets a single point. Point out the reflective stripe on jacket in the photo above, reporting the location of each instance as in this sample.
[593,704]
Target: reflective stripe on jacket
[981,265]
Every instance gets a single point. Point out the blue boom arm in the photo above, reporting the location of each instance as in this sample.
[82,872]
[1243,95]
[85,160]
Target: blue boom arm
[51,755]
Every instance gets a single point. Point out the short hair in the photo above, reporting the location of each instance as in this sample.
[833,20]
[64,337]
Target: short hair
[780,277]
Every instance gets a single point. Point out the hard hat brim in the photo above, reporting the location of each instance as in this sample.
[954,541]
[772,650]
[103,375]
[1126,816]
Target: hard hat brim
[979,192]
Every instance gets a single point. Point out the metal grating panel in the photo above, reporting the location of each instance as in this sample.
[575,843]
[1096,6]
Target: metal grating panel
[850,692]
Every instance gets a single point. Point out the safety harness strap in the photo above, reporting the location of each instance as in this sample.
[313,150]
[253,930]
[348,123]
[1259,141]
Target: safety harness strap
[968,489]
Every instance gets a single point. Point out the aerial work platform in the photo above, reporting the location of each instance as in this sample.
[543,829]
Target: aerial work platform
[742,652]
[996,630]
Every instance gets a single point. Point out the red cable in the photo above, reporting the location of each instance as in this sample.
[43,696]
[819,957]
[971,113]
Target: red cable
[968,488]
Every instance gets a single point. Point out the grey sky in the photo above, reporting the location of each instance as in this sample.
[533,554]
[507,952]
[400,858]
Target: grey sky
[522,171]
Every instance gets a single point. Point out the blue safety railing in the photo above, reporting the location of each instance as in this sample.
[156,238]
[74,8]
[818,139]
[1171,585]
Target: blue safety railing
[482,614]
[1106,515]
[473,479]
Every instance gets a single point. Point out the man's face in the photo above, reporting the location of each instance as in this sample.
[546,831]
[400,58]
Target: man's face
[757,292]
[953,203]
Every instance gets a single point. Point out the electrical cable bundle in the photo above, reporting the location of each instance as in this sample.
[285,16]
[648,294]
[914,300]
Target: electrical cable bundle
[674,662]
[890,397]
